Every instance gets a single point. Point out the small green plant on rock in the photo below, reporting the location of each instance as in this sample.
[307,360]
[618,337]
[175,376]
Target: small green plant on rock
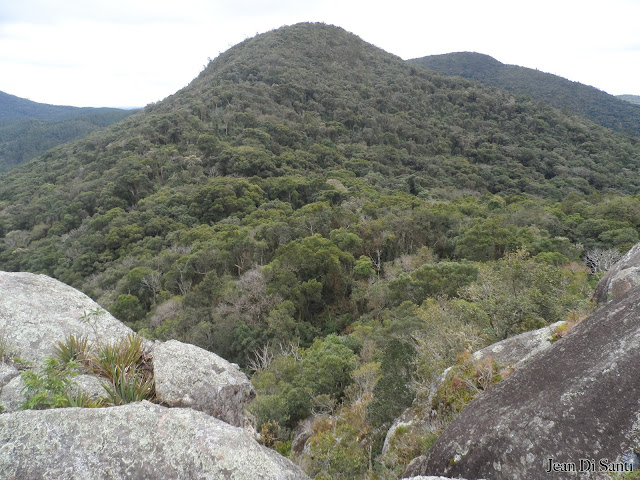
[49,387]
[127,386]
[127,367]
[72,349]
[124,366]
[464,381]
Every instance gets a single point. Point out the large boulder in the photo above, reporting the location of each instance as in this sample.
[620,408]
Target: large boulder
[421,477]
[188,376]
[620,278]
[7,373]
[515,351]
[140,440]
[509,354]
[37,312]
[578,399]
[12,396]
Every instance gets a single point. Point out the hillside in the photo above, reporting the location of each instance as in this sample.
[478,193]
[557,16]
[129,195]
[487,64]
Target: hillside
[583,100]
[28,129]
[329,216]
[14,108]
[630,98]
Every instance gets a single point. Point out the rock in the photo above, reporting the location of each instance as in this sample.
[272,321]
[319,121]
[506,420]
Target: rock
[509,354]
[11,397]
[139,440]
[7,373]
[579,398]
[514,351]
[37,312]
[90,385]
[302,433]
[619,279]
[188,376]
[433,478]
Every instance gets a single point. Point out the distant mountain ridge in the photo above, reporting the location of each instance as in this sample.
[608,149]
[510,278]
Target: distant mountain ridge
[28,129]
[13,108]
[630,98]
[596,105]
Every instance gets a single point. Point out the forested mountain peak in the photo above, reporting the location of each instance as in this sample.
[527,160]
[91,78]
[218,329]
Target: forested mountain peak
[598,106]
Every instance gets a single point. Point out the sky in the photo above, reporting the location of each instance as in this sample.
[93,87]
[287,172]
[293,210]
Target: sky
[127,53]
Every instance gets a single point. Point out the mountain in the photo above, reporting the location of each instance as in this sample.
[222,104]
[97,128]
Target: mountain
[28,129]
[274,119]
[630,98]
[594,104]
[14,108]
[338,221]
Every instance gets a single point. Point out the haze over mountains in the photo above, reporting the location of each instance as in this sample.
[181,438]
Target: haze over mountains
[312,191]
[630,98]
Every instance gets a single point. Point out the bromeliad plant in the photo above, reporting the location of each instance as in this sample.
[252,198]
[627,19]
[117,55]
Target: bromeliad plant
[124,366]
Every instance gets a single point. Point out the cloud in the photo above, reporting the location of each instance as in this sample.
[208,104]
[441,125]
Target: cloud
[159,46]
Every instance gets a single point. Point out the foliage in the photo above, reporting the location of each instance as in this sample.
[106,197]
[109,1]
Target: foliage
[124,366]
[5,347]
[49,387]
[343,222]
[519,294]
[463,382]
[128,385]
[73,349]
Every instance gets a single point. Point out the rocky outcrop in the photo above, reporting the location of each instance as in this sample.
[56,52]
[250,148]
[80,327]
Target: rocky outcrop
[188,376]
[140,440]
[11,396]
[515,351]
[619,279]
[509,354]
[7,373]
[302,433]
[579,398]
[37,312]
[421,477]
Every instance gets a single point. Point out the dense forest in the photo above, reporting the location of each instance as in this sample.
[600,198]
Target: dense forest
[28,129]
[341,223]
[596,105]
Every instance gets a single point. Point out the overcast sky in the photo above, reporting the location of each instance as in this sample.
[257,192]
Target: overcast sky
[132,52]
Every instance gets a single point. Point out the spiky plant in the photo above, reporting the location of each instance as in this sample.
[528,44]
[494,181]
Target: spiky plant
[73,349]
[125,354]
[129,385]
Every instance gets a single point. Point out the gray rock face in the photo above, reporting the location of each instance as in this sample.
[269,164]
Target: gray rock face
[11,397]
[421,477]
[188,376]
[37,312]
[302,433]
[7,373]
[89,385]
[140,441]
[514,351]
[579,398]
[510,354]
[622,277]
